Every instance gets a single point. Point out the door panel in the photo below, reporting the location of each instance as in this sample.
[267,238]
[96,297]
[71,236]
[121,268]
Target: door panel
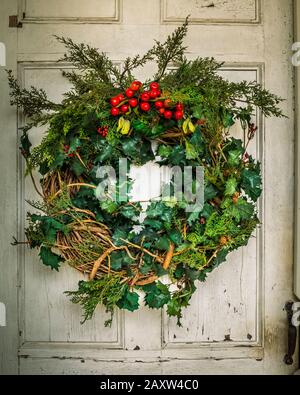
[237,314]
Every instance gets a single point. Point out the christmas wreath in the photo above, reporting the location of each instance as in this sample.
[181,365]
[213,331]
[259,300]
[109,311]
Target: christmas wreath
[187,110]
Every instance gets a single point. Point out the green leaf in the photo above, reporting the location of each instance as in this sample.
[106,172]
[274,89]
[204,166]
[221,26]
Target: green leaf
[157,295]
[175,236]
[49,258]
[198,112]
[163,243]
[157,129]
[230,186]
[234,157]
[130,148]
[109,206]
[191,152]
[193,217]
[49,227]
[120,259]
[129,212]
[164,151]
[210,191]
[153,223]
[242,210]
[252,183]
[129,301]
[77,167]
[105,154]
[74,144]
[118,235]
[228,120]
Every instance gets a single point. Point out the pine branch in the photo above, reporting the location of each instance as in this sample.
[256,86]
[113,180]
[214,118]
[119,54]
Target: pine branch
[171,51]
[131,64]
[90,60]
[33,101]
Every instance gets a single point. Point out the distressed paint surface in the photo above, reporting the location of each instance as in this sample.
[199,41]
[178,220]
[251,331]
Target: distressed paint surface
[211,10]
[39,10]
[236,318]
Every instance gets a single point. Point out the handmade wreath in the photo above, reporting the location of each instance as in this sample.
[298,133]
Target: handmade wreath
[187,110]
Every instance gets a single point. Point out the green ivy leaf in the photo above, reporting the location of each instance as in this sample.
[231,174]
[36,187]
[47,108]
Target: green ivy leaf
[163,243]
[191,152]
[129,212]
[157,295]
[210,191]
[74,144]
[175,236]
[120,259]
[234,157]
[49,227]
[129,300]
[77,167]
[230,186]
[49,258]
[251,183]
[164,151]
[109,206]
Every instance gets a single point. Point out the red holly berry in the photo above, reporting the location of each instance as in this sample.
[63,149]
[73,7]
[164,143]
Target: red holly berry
[125,108]
[153,94]
[66,150]
[114,101]
[135,85]
[158,104]
[133,102]
[168,103]
[114,111]
[129,92]
[154,86]
[121,97]
[179,107]
[161,111]
[103,131]
[168,114]
[145,96]
[145,106]
[178,115]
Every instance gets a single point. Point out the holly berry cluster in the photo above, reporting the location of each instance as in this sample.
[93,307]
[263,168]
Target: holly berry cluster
[103,131]
[136,98]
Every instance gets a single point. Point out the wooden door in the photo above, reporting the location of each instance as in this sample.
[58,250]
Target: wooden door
[236,323]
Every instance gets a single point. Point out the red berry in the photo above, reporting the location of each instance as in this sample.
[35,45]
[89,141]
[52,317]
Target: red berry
[158,104]
[168,103]
[125,108]
[168,114]
[135,85]
[129,92]
[145,106]
[145,96]
[114,111]
[158,93]
[114,101]
[121,97]
[178,115]
[153,94]
[179,107]
[133,102]
[154,86]
[161,111]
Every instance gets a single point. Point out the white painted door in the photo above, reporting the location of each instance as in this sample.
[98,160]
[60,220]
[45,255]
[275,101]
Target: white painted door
[236,323]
